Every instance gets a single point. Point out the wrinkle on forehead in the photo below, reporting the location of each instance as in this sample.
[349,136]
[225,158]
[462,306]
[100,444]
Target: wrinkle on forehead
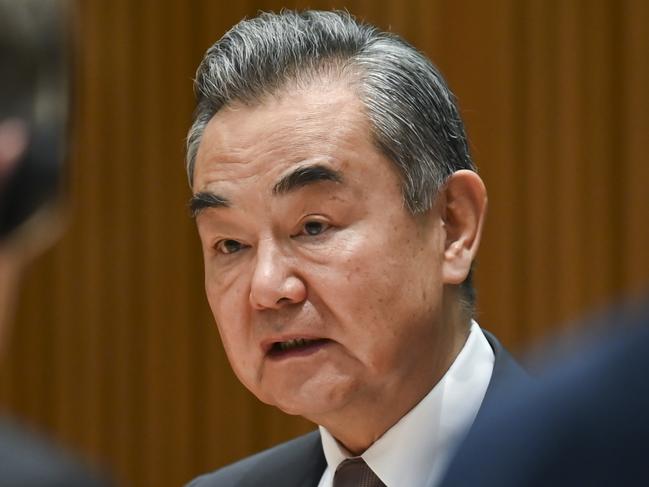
[285,130]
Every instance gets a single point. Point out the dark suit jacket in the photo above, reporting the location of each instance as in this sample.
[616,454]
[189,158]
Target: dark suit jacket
[301,462]
[582,422]
[28,461]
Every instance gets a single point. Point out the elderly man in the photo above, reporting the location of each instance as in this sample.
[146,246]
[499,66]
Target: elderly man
[339,214]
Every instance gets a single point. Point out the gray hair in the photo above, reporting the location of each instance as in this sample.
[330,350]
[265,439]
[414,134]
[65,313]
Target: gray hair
[412,112]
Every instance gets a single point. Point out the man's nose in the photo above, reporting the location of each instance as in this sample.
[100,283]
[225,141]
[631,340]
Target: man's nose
[275,283]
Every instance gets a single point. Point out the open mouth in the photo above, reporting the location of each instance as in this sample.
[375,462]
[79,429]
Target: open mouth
[296,346]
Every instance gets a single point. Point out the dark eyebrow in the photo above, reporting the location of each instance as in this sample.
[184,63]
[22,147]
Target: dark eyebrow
[204,199]
[305,175]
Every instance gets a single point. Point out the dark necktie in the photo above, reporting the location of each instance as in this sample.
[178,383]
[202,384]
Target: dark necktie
[354,472]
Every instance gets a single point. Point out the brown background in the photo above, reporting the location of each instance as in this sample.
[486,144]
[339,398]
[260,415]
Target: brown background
[115,352]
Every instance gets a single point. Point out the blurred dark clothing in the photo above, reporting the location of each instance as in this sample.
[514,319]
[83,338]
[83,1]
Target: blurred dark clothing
[585,422]
[28,461]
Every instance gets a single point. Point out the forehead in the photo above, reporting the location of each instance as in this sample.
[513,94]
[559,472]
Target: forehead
[323,123]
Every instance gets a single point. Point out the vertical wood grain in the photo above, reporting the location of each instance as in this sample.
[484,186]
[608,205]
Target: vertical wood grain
[631,160]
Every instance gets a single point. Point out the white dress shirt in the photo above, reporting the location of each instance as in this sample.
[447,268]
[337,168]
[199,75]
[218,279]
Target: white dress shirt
[416,450]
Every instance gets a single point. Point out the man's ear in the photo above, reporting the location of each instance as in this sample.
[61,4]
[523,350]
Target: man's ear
[465,207]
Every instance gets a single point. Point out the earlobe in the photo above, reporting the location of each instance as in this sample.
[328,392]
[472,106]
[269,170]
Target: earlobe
[464,213]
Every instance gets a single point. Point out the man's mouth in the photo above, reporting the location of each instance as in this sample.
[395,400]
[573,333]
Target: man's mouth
[295,346]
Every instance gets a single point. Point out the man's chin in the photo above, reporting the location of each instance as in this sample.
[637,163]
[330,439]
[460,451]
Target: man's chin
[312,403]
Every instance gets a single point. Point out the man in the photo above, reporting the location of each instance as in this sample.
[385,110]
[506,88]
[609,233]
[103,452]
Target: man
[584,422]
[33,113]
[339,214]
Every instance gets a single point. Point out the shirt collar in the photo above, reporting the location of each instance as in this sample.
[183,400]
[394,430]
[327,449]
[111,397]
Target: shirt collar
[416,449]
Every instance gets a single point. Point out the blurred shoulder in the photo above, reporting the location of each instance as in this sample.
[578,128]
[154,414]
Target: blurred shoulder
[27,460]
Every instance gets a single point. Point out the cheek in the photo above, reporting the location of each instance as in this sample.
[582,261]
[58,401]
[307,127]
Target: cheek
[227,290]
[387,292]
[231,314]
[239,350]
[384,274]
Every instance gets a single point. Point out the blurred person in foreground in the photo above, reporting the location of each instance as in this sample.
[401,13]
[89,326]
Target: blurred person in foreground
[33,119]
[584,422]
[339,213]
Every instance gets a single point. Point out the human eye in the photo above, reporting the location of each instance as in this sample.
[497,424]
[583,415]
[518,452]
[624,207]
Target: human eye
[228,246]
[313,228]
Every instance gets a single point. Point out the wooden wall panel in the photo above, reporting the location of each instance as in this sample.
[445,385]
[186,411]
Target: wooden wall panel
[115,351]
[632,157]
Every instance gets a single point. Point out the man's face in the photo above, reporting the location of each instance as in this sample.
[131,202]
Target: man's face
[326,291]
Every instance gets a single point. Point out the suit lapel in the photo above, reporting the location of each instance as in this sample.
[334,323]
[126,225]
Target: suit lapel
[506,369]
[299,465]
[314,464]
